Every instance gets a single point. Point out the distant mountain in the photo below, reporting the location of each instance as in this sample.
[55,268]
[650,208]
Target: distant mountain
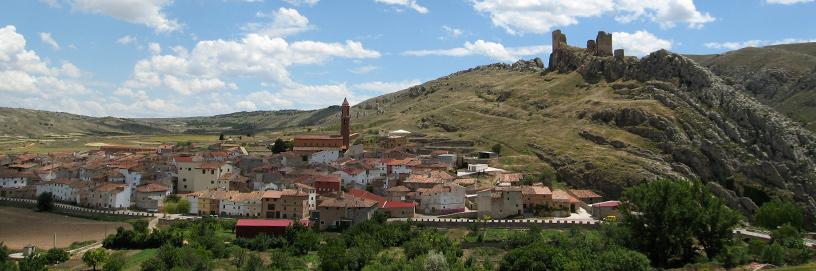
[782,76]
[37,123]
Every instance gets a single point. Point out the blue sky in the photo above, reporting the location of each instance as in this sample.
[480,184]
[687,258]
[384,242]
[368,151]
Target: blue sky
[162,58]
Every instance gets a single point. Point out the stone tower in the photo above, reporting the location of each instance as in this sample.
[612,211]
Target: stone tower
[558,40]
[603,44]
[345,123]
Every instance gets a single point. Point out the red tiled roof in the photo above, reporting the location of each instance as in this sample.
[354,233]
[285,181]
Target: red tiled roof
[151,187]
[611,203]
[536,190]
[398,204]
[563,196]
[266,222]
[583,194]
[366,195]
[183,159]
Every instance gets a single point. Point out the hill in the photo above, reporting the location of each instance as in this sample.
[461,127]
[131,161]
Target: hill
[611,122]
[781,76]
[37,123]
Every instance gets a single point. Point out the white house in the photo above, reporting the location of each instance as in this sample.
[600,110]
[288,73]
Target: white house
[131,178]
[242,204]
[63,190]
[109,196]
[324,156]
[13,179]
[353,176]
[442,199]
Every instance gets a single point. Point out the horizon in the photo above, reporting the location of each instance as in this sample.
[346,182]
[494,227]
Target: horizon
[171,59]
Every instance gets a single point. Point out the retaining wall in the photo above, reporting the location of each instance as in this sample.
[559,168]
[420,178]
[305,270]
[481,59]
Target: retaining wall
[66,208]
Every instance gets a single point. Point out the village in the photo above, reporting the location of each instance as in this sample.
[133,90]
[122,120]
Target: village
[321,180]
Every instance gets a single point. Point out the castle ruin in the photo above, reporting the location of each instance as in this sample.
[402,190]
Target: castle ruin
[600,46]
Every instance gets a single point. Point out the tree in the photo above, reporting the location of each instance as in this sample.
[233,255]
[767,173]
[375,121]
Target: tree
[56,255]
[666,218]
[221,137]
[95,257]
[496,148]
[279,146]
[116,262]
[253,263]
[776,213]
[333,255]
[45,202]
[33,262]
[435,261]
[183,206]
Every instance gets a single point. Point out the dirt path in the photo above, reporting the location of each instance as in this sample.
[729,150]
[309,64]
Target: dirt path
[20,227]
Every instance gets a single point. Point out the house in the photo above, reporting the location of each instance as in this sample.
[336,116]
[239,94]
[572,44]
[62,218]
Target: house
[390,208]
[327,184]
[324,156]
[238,204]
[563,203]
[311,191]
[420,181]
[198,174]
[586,196]
[355,176]
[249,228]
[232,181]
[442,199]
[63,190]
[500,202]
[397,193]
[285,204]
[151,196]
[508,178]
[536,199]
[604,209]
[209,201]
[109,196]
[344,210]
[14,179]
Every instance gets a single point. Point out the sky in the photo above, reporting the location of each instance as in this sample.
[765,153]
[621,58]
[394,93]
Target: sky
[164,58]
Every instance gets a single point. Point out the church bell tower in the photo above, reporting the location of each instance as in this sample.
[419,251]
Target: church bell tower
[345,123]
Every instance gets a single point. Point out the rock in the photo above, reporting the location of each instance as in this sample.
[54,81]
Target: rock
[617,144]
[597,139]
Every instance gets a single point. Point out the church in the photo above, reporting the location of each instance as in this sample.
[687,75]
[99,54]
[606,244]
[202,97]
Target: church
[315,143]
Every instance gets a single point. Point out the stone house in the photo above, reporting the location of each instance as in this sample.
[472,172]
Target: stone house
[563,203]
[441,199]
[536,199]
[585,196]
[238,204]
[109,196]
[151,196]
[500,202]
[344,211]
[285,204]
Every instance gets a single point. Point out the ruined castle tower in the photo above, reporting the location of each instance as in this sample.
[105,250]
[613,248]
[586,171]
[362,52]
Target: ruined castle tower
[558,40]
[345,123]
[603,44]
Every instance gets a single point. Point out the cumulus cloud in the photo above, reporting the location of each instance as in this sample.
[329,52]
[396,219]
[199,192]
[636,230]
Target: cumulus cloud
[302,2]
[386,87]
[788,2]
[147,12]
[734,45]
[363,69]
[46,38]
[412,4]
[285,22]
[540,16]
[493,50]
[154,48]
[639,43]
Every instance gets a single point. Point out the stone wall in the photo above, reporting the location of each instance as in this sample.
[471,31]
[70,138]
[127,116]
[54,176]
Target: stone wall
[604,44]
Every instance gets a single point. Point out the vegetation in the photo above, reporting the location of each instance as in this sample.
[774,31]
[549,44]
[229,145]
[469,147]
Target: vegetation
[140,237]
[176,205]
[45,202]
[116,262]
[5,263]
[776,213]
[279,146]
[665,219]
[95,257]
[56,255]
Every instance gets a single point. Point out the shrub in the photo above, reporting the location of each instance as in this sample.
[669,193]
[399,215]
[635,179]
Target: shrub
[776,213]
[95,257]
[56,255]
[45,202]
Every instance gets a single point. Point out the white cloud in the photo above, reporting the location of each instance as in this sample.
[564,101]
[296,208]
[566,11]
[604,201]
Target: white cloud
[639,43]
[126,40]
[302,2]
[46,38]
[788,2]
[412,4]
[146,12]
[493,50]
[285,22]
[734,45]
[452,32]
[541,16]
[386,87]
[364,69]
[154,48]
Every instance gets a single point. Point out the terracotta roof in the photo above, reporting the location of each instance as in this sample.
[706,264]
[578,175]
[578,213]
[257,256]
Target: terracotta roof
[413,178]
[398,189]
[536,190]
[151,187]
[183,159]
[398,204]
[466,181]
[267,223]
[584,194]
[509,177]
[348,202]
[611,203]
[109,187]
[366,195]
[562,196]
[210,165]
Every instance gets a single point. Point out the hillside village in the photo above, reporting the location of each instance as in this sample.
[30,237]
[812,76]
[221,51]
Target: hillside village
[324,179]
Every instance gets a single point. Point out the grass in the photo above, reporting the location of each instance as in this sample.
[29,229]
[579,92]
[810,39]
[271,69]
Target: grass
[76,245]
[135,261]
[805,267]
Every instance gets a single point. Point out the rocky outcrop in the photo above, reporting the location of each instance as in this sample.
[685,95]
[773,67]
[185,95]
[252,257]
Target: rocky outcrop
[715,130]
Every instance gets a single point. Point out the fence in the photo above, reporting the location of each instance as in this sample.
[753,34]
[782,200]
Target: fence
[506,223]
[66,208]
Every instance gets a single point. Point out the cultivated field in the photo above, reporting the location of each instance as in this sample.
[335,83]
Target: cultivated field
[20,227]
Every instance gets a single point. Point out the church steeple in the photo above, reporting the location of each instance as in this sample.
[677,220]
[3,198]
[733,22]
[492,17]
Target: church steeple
[345,123]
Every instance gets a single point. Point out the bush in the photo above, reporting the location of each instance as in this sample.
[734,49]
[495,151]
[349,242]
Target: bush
[94,258]
[45,202]
[32,263]
[116,262]
[773,254]
[776,213]
[497,148]
[56,255]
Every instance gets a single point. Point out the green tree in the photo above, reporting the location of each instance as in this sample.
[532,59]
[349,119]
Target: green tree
[715,222]
[435,261]
[45,202]
[279,146]
[183,206]
[253,263]
[33,262]
[776,213]
[5,263]
[774,254]
[95,257]
[116,262]
[333,255]
[221,137]
[497,148]
[56,255]
[140,227]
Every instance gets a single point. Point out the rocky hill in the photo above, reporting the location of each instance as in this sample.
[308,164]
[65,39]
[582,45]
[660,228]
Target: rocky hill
[781,76]
[609,122]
